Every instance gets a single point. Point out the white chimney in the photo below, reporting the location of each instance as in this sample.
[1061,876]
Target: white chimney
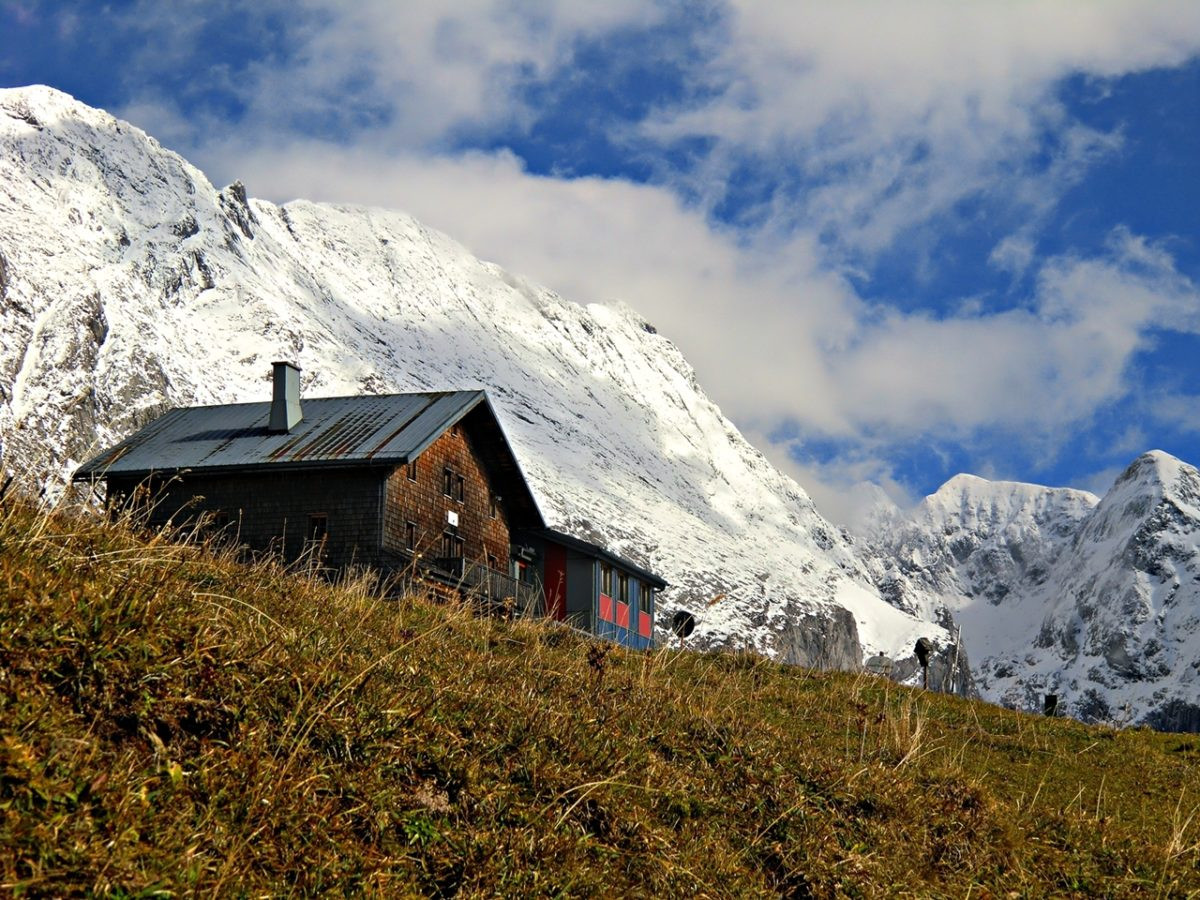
[285,400]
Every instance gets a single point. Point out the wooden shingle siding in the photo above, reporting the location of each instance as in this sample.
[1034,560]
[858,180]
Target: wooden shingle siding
[272,510]
[425,503]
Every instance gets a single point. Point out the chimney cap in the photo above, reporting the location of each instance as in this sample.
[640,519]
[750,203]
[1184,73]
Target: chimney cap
[285,400]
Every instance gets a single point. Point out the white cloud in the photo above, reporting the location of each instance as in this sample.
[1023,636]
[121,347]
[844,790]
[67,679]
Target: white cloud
[846,490]
[1043,369]
[1013,254]
[1177,410]
[1099,482]
[863,119]
[408,75]
[898,111]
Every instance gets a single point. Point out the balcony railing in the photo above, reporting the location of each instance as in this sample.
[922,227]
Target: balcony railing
[500,589]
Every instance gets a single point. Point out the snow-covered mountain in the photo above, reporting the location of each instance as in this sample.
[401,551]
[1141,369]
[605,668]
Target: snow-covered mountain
[130,284]
[1096,601]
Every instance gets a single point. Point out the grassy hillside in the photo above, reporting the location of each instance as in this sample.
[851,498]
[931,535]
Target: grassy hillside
[172,721]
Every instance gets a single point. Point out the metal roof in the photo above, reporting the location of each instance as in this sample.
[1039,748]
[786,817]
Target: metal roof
[595,550]
[385,429]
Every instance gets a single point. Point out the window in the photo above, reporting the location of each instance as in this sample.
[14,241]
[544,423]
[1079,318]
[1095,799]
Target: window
[412,471]
[453,484]
[492,563]
[646,613]
[410,535]
[606,579]
[623,583]
[493,504]
[318,526]
[452,546]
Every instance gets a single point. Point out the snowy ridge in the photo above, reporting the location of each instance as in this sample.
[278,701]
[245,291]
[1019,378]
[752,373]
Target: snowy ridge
[1059,592]
[1124,617]
[130,284]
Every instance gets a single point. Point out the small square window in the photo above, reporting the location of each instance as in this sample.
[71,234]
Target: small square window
[318,526]
[412,471]
[410,535]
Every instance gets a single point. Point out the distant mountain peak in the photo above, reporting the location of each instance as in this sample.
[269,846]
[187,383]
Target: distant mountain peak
[1058,591]
[964,484]
[963,481]
[39,106]
[968,501]
[1156,467]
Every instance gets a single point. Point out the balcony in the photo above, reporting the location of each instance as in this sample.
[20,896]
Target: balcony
[499,589]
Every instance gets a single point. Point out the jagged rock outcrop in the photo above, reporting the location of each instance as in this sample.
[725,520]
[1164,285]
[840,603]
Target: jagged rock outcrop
[819,642]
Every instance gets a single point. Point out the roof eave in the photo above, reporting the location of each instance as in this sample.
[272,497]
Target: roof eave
[244,468]
[530,500]
[569,540]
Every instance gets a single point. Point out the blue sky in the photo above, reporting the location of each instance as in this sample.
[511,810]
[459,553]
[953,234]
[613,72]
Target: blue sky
[897,240]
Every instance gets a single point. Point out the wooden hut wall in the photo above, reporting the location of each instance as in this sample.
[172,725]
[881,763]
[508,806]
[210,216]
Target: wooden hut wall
[425,503]
[278,510]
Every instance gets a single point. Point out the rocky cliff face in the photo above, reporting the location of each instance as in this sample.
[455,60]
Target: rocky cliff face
[130,284]
[1096,601]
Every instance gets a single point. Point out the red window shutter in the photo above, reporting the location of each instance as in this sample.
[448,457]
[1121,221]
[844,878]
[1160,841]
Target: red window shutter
[606,610]
[644,625]
[623,614]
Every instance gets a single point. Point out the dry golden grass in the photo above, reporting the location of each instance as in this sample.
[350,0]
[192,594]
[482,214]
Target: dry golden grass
[173,721]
